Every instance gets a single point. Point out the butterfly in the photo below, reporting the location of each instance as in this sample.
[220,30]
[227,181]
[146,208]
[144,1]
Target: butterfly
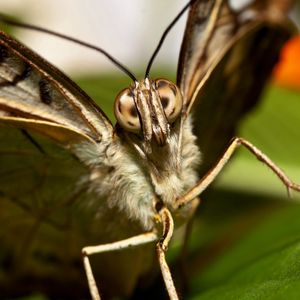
[70,179]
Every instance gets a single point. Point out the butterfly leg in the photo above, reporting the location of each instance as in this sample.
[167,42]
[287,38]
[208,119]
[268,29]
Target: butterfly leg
[161,248]
[212,174]
[127,243]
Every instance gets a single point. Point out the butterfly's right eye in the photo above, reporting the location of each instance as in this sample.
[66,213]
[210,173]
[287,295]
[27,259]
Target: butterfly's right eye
[126,111]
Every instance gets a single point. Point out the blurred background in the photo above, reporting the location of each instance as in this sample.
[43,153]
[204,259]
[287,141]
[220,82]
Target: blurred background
[246,224]
[130,34]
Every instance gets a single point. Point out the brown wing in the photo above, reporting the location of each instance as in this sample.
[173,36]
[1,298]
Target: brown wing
[226,58]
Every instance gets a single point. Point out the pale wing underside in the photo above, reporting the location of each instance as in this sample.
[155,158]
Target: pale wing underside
[225,62]
[31,88]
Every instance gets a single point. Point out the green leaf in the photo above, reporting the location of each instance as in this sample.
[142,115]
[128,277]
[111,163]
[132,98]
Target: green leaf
[263,263]
[246,242]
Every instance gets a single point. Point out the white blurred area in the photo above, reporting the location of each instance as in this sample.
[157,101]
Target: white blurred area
[128,30]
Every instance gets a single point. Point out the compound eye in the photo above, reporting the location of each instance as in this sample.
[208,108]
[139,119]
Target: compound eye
[170,98]
[126,112]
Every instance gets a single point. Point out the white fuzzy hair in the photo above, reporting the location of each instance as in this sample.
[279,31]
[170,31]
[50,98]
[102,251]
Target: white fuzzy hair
[120,181]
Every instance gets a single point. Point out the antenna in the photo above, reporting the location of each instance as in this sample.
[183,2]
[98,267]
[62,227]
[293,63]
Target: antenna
[164,35]
[9,21]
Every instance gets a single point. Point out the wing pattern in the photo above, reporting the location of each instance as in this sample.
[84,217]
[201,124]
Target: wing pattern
[226,58]
[32,89]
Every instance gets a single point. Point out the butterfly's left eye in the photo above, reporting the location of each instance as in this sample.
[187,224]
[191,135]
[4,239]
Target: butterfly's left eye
[170,98]
[126,112]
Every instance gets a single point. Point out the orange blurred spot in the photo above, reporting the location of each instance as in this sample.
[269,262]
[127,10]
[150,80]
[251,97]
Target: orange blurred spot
[287,72]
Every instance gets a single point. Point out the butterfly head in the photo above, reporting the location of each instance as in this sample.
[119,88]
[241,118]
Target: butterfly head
[149,108]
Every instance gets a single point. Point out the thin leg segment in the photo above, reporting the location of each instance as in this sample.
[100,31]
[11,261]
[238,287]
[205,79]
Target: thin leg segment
[124,244]
[212,174]
[161,248]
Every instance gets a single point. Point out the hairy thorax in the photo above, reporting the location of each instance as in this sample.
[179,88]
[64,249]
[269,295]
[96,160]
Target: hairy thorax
[125,182]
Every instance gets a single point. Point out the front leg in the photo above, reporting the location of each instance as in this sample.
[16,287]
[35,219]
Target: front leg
[161,248]
[212,174]
[123,244]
